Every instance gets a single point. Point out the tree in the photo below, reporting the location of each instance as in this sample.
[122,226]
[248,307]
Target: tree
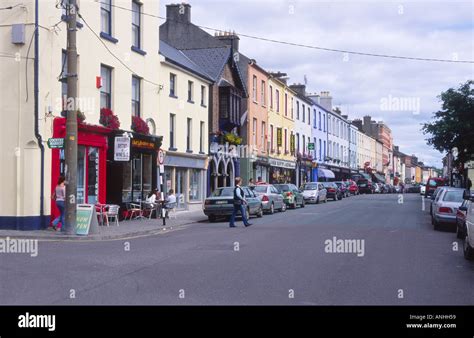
[453,125]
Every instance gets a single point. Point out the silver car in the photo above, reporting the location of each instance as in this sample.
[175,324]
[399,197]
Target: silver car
[271,199]
[314,192]
[445,206]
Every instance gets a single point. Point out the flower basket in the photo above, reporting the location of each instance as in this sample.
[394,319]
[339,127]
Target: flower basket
[140,126]
[108,119]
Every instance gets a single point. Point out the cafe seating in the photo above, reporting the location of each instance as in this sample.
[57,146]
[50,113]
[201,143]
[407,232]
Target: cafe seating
[134,209]
[112,212]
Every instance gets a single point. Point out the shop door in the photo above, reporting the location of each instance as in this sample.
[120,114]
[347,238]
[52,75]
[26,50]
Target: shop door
[181,187]
[87,175]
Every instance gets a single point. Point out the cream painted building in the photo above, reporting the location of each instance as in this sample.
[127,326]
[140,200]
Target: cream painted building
[281,124]
[183,108]
[366,150]
[103,80]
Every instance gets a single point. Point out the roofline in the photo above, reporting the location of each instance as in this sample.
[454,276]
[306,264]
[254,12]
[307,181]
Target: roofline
[187,70]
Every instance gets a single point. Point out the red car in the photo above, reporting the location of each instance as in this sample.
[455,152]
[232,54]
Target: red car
[432,184]
[353,188]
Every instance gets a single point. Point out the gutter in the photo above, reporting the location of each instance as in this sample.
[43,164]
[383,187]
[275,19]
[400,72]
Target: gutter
[36,112]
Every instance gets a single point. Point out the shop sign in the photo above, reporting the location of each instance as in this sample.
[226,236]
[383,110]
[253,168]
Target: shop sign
[86,218]
[55,143]
[122,149]
[310,146]
[142,144]
[282,164]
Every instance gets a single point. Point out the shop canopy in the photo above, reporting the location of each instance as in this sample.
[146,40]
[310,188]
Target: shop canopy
[379,178]
[326,173]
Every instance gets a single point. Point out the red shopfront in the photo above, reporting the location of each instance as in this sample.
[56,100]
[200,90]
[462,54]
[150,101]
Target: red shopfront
[91,163]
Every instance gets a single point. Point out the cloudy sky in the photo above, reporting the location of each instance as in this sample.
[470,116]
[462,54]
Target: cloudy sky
[360,85]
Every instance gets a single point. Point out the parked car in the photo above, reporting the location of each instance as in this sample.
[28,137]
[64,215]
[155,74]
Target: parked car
[353,188]
[365,186]
[461,215]
[342,186]
[398,189]
[271,199]
[433,197]
[314,192]
[291,195]
[432,184]
[333,190]
[446,205]
[422,189]
[468,243]
[221,203]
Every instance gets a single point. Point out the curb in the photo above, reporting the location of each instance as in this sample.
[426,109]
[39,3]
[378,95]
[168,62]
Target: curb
[98,237]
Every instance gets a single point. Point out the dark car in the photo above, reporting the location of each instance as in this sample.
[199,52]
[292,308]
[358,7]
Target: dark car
[333,191]
[432,184]
[291,195]
[365,186]
[353,188]
[343,187]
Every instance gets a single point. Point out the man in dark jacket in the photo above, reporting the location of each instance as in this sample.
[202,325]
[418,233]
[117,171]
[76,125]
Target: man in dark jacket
[239,203]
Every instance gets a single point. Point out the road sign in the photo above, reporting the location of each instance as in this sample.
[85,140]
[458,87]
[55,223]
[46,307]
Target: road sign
[161,157]
[56,143]
[310,146]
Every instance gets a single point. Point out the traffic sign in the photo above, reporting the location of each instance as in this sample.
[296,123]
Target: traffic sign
[310,146]
[56,143]
[161,157]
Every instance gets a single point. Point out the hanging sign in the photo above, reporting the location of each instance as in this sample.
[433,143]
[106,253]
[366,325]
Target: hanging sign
[122,149]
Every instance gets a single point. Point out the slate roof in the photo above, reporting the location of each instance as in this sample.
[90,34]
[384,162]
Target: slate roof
[211,60]
[177,57]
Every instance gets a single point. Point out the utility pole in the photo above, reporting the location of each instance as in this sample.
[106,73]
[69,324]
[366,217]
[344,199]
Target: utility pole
[71,122]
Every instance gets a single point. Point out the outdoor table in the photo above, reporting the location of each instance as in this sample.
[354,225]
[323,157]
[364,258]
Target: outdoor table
[100,209]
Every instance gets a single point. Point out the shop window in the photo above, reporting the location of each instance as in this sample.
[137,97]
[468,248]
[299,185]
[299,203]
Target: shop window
[127,182]
[195,185]
[147,174]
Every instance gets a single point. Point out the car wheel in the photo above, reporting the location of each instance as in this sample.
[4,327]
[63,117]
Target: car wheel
[302,203]
[435,223]
[260,212]
[283,207]
[211,218]
[467,249]
[272,209]
[459,232]
[317,200]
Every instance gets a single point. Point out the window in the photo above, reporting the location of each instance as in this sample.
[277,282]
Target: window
[286,104]
[254,88]
[195,185]
[271,97]
[277,94]
[190,91]
[314,147]
[304,144]
[320,152]
[303,111]
[309,116]
[324,150]
[135,96]
[271,138]
[262,93]
[106,16]
[314,119]
[286,141]
[262,136]
[172,85]
[292,108]
[203,96]
[324,122]
[189,131]
[254,132]
[201,137]
[297,110]
[106,89]
[172,131]
[319,115]
[297,142]
[136,24]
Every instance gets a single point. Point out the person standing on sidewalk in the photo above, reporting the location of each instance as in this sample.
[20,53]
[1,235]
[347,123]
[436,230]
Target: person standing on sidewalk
[239,204]
[59,195]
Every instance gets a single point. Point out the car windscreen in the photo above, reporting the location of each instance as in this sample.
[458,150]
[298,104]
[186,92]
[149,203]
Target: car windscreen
[453,196]
[310,187]
[281,188]
[221,192]
[328,185]
[260,189]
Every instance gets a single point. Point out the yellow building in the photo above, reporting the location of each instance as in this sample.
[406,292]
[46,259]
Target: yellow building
[281,131]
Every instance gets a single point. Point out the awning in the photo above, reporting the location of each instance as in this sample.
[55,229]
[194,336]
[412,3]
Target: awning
[379,178]
[325,173]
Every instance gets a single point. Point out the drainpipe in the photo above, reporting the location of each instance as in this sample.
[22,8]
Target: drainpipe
[36,112]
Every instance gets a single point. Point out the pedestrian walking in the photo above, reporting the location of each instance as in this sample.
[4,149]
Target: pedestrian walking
[59,196]
[239,204]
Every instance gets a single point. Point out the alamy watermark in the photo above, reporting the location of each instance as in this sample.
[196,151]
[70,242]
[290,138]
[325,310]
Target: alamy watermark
[353,246]
[19,246]
[399,103]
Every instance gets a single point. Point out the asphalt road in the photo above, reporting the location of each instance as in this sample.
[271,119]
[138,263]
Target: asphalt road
[281,259]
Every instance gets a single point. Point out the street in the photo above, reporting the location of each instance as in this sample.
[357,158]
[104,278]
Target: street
[280,259]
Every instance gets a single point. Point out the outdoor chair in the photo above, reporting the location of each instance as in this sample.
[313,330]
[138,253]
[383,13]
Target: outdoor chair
[112,212]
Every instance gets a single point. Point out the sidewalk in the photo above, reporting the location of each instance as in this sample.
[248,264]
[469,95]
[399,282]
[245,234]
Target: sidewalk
[126,229]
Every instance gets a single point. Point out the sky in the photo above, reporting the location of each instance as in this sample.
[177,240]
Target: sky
[359,85]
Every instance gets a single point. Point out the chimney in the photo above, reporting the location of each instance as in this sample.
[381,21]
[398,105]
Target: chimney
[314,97]
[345,116]
[299,88]
[230,39]
[326,101]
[358,124]
[367,121]
[178,12]
[283,77]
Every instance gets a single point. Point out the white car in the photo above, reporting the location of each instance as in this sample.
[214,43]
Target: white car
[445,206]
[422,189]
[468,243]
[314,192]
